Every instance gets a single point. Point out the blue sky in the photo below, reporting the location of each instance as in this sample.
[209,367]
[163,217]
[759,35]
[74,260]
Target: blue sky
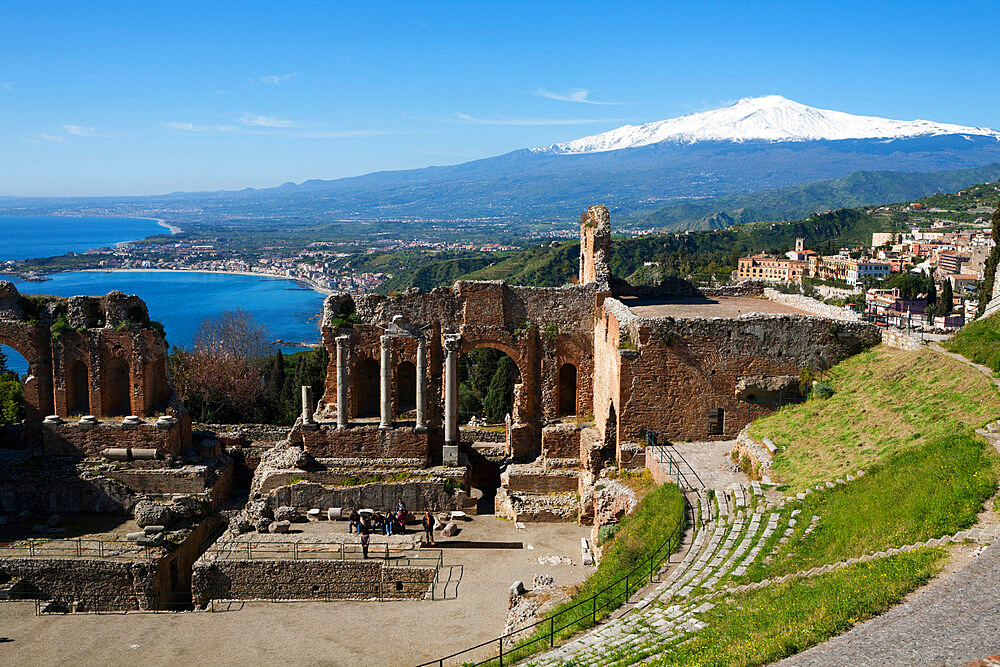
[142,98]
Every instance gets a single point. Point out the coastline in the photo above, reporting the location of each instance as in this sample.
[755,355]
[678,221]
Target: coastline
[303,281]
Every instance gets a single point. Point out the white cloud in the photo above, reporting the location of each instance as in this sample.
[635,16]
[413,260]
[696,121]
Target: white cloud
[256,120]
[54,138]
[513,120]
[339,134]
[6,85]
[84,131]
[275,79]
[580,95]
[196,129]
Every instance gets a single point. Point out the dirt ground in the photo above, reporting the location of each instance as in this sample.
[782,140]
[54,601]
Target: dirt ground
[480,565]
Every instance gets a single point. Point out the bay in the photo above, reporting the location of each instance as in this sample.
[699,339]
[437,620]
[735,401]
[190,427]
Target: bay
[180,300]
[28,237]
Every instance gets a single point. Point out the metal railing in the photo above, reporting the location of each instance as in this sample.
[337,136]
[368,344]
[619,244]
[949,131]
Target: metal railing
[290,550]
[79,547]
[580,615]
[668,456]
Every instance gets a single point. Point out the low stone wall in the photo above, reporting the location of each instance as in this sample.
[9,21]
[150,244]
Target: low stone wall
[48,489]
[901,340]
[532,479]
[69,439]
[364,441]
[467,434]
[225,579]
[561,441]
[758,455]
[422,495]
[107,584]
[812,306]
[247,434]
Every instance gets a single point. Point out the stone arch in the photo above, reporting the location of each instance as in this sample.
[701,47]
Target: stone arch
[77,388]
[406,386]
[116,381]
[367,388]
[519,409]
[567,389]
[38,396]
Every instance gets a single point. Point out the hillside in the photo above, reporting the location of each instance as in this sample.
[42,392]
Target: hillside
[796,202]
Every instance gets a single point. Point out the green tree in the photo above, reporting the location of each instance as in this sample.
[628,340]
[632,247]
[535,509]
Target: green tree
[931,291]
[500,396]
[947,299]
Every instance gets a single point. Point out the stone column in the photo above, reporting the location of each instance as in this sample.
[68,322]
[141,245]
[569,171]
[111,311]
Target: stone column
[386,388]
[421,384]
[342,342]
[307,404]
[450,453]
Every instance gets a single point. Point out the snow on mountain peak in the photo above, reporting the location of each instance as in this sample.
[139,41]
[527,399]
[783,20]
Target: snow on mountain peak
[768,118]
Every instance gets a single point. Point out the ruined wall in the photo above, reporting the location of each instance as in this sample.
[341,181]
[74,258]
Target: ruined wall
[680,370]
[434,494]
[595,246]
[87,355]
[70,439]
[110,584]
[561,441]
[307,580]
[368,441]
[62,488]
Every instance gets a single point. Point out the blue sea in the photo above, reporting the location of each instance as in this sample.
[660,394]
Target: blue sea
[180,300]
[27,237]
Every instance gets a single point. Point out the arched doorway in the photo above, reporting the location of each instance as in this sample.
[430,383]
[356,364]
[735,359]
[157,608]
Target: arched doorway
[366,388]
[567,390]
[117,388]
[78,389]
[487,377]
[13,371]
[406,387]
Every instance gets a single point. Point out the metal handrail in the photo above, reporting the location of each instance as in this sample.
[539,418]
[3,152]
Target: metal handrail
[632,584]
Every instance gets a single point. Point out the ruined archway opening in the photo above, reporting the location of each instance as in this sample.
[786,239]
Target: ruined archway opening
[14,369]
[117,388]
[366,389]
[567,390]
[487,377]
[78,388]
[406,387]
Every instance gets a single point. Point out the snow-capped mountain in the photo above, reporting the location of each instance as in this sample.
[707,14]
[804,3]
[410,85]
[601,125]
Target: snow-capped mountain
[769,118]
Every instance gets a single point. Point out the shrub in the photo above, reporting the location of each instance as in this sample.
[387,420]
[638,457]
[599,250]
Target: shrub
[822,390]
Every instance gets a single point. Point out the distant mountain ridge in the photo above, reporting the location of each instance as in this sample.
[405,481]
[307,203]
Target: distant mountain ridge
[776,147]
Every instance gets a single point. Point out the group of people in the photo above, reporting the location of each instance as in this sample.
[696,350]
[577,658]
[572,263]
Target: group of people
[365,523]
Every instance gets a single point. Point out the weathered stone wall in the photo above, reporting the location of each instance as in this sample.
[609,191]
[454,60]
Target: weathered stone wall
[561,441]
[224,579]
[680,370]
[901,340]
[810,305]
[109,584]
[367,441]
[87,355]
[595,246]
[69,439]
[432,494]
[529,479]
[63,489]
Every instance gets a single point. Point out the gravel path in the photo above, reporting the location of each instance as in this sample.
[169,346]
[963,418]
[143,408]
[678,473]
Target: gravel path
[951,623]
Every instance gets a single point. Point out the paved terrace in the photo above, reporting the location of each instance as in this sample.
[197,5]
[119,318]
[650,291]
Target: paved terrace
[699,307]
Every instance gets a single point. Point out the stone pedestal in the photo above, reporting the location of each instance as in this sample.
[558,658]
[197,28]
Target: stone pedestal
[449,455]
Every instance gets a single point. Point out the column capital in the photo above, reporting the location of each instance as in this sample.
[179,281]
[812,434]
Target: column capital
[452,342]
[385,340]
[343,340]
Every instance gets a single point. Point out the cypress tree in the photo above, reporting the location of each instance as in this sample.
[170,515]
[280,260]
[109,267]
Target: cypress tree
[500,396]
[947,299]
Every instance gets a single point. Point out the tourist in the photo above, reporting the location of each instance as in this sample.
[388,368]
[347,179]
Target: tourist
[428,524]
[365,529]
[387,523]
[401,515]
[352,523]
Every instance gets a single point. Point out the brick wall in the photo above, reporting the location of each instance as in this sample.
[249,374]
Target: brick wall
[70,440]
